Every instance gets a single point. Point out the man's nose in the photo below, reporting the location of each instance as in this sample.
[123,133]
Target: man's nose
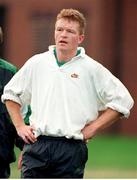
[64,33]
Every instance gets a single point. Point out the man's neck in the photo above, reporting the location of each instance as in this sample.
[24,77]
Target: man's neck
[65,55]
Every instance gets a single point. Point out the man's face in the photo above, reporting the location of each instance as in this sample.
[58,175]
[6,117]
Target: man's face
[67,36]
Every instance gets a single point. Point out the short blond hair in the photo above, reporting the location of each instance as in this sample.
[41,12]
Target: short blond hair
[73,15]
[1,35]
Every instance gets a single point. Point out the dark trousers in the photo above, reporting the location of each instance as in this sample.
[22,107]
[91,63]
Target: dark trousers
[54,157]
[4,170]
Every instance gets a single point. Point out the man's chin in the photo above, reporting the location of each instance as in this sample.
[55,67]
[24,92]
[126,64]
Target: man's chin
[62,48]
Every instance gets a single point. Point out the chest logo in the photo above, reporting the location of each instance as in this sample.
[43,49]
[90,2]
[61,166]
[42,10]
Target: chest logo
[74,75]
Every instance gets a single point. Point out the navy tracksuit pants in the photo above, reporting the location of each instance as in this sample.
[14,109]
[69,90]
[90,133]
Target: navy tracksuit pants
[54,157]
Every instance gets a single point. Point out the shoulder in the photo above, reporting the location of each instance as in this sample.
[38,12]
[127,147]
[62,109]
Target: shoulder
[37,58]
[87,60]
[91,64]
[8,66]
[95,68]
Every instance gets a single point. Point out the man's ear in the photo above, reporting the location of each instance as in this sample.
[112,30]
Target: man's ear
[81,38]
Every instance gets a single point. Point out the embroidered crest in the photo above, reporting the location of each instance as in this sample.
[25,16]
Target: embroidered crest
[74,75]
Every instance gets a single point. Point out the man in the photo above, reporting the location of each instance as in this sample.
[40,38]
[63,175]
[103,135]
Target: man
[8,134]
[7,129]
[66,90]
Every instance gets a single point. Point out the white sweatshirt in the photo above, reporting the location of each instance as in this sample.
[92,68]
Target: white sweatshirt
[64,99]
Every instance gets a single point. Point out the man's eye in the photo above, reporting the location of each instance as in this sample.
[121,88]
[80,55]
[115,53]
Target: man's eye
[59,29]
[70,31]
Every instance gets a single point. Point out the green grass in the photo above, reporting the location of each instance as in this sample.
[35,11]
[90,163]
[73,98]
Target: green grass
[113,152]
[109,157]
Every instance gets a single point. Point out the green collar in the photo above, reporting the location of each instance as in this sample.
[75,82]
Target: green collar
[63,62]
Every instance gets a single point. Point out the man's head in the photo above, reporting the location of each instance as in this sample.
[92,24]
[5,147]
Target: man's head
[1,35]
[69,30]
[73,15]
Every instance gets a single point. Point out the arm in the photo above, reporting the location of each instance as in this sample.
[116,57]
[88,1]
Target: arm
[20,160]
[24,131]
[103,121]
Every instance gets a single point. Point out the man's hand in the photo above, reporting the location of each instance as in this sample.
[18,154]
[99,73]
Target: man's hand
[26,133]
[89,131]
[106,118]
[20,161]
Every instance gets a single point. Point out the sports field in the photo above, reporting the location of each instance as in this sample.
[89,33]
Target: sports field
[109,157]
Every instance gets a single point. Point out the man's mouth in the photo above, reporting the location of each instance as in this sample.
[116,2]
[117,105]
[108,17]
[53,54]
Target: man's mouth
[62,42]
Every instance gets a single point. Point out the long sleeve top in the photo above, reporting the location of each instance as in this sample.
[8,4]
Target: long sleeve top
[64,99]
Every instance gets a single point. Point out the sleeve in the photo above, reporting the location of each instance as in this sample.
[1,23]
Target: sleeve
[111,92]
[18,88]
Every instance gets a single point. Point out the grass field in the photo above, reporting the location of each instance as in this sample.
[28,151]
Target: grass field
[109,157]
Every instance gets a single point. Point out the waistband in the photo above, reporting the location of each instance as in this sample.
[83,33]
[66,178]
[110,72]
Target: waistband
[59,138]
